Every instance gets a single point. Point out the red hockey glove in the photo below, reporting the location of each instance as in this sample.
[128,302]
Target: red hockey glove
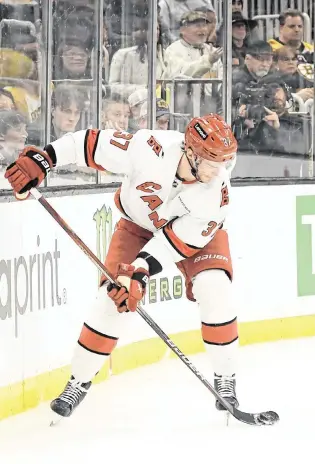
[133,284]
[29,170]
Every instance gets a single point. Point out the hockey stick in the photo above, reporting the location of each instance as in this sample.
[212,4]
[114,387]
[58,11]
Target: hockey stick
[264,418]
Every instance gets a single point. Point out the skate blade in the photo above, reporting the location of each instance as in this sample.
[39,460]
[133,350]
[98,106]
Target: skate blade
[227,418]
[55,419]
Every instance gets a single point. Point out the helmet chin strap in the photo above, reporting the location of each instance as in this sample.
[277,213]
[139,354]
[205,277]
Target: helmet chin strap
[194,169]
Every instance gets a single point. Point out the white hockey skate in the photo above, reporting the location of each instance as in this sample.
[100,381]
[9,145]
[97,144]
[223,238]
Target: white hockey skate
[225,386]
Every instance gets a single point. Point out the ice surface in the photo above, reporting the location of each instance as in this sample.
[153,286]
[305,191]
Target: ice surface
[163,414]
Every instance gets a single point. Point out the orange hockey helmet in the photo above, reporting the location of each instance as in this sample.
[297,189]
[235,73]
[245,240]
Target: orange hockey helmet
[211,138]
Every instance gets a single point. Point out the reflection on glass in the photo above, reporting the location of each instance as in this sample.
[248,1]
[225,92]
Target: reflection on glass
[272,77]
[115,113]
[272,87]
[129,66]
[74,80]
[20,72]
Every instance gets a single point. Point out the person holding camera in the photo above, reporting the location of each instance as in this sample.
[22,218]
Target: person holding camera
[263,123]
[256,69]
[257,65]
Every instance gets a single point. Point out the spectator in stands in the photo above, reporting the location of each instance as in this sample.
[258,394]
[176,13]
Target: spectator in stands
[273,129]
[191,56]
[73,60]
[251,25]
[13,136]
[24,89]
[241,28]
[257,67]
[212,23]
[162,115]
[68,104]
[136,100]
[212,20]
[115,113]
[26,96]
[291,34]
[288,71]
[237,6]
[172,12]
[129,66]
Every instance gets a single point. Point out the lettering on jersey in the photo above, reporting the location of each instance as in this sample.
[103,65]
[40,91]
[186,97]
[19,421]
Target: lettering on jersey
[149,187]
[154,201]
[121,135]
[224,196]
[157,222]
[183,204]
[211,256]
[201,131]
[211,226]
[156,147]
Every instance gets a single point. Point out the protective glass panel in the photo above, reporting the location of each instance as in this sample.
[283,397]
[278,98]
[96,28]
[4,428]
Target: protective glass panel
[20,79]
[273,88]
[190,59]
[74,79]
[255,67]
[125,69]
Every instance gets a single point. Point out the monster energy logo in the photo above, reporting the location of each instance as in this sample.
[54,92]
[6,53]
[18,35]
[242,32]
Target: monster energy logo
[164,289]
[104,230]
[158,289]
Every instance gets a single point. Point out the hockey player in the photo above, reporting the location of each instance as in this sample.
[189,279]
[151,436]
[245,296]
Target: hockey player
[174,200]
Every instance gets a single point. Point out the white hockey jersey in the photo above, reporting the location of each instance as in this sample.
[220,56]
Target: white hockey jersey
[183,216]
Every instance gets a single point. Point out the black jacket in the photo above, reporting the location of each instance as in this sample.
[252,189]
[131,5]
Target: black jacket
[239,53]
[295,81]
[242,78]
[293,136]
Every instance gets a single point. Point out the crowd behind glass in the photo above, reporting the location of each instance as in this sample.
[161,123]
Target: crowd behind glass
[272,77]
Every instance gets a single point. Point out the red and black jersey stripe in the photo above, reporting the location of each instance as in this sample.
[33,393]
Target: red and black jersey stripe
[96,342]
[90,146]
[182,248]
[118,203]
[220,334]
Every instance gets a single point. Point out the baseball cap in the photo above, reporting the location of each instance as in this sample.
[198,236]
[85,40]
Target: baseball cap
[193,17]
[259,48]
[137,97]
[162,108]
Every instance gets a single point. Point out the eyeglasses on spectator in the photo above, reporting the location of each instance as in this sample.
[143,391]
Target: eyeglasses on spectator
[288,58]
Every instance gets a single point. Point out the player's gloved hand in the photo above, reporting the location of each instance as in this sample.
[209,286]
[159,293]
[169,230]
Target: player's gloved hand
[133,281]
[29,170]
